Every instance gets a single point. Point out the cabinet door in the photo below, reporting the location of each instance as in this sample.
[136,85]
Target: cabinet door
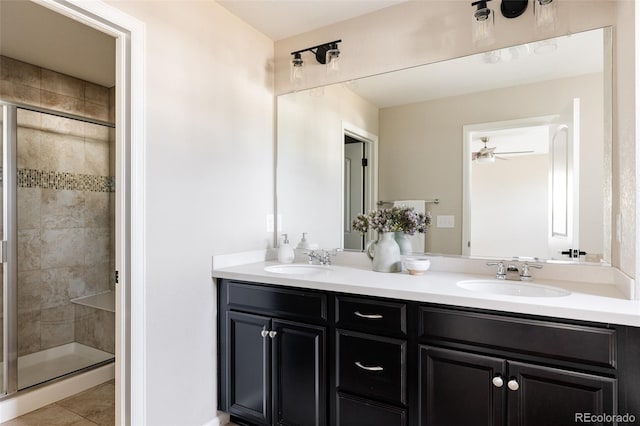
[248,367]
[299,383]
[457,388]
[550,396]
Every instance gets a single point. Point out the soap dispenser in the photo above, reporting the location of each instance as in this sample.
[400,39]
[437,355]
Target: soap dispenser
[303,244]
[285,251]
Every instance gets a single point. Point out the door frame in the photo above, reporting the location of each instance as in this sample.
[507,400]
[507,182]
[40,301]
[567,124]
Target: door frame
[371,176]
[130,196]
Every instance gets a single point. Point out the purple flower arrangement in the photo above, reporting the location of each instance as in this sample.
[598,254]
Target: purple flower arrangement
[395,219]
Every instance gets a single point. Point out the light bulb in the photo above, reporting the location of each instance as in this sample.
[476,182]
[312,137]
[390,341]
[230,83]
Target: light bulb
[296,68]
[333,59]
[483,27]
[545,11]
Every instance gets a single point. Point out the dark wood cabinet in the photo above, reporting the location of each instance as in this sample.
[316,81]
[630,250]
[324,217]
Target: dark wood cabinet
[273,370]
[296,357]
[248,367]
[458,388]
[551,396]
[299,374]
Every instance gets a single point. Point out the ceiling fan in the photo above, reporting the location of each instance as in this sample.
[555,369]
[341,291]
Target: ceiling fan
[488,154]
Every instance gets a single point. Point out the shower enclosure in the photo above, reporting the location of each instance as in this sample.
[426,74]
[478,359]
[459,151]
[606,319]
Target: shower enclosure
[57,311]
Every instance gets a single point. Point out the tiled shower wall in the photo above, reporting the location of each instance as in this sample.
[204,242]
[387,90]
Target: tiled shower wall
[65,204]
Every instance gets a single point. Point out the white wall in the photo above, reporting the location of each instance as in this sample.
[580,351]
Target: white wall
[508,198]
[414,33]
[210,184]
[311,158]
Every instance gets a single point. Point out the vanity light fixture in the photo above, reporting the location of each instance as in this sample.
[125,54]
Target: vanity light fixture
[296,67]
[327,54]
[545,12]
[482,24]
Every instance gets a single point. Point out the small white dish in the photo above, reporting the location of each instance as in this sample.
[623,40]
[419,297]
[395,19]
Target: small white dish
[416,265]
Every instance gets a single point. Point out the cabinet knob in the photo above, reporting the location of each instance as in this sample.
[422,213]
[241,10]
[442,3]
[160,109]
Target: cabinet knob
[264,333]
[497,381]
[513,385]
[367,316]
[364,367]
[272,334]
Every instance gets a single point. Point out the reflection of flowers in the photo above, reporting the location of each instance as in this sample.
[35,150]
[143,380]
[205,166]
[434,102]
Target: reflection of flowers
[404,219]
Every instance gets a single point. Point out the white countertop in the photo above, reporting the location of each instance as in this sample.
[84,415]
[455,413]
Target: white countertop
[596,302]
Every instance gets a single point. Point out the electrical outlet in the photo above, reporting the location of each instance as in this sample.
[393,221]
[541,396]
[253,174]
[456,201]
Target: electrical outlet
[270,223]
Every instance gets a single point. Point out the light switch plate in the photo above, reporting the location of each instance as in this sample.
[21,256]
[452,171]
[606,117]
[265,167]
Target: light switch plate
[445,221]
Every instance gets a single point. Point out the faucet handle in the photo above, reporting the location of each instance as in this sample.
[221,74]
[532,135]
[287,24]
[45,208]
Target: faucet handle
[500,271]
[525,275]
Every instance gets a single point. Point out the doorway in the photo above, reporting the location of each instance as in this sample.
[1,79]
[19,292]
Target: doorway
[128,34]
[359,182]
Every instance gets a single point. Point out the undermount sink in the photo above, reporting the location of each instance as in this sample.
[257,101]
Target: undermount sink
[297,269]
[511,288]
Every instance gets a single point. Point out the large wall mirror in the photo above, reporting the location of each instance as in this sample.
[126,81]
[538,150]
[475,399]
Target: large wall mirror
[509,151]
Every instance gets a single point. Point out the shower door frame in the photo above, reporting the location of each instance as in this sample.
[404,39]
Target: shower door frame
[9,249]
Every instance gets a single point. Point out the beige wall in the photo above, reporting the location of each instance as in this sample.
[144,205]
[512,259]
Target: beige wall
[415,33]
[421,148]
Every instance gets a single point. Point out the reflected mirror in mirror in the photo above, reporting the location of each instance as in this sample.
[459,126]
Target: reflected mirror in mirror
[509,151]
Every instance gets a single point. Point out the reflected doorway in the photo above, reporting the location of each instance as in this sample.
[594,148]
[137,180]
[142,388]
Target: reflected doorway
[359,182]
[355,198]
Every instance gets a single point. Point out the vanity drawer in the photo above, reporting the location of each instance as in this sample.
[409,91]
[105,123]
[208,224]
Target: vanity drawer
[575,343]
[371,366]
[277,302]
[352,411]
[376,316]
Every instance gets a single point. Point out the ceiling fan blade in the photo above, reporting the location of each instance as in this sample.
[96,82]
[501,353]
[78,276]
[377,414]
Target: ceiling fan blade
[515,152]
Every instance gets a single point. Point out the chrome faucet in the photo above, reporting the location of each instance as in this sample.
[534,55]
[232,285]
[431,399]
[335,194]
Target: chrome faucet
[320,257]
[512,273]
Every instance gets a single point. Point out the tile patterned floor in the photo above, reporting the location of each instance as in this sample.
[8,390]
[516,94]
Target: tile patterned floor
[95,406]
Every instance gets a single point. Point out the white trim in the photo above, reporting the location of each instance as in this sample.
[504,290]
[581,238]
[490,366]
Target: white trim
[130,196]
[372,172]
[635,290]
[31,400]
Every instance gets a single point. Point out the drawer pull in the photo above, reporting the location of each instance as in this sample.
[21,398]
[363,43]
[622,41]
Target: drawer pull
[367,316]
[364,367]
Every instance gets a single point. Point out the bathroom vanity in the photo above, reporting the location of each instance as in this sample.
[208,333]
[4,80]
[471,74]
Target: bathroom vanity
[335,349]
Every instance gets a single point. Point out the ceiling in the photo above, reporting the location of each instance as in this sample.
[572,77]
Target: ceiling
[561,57]
[39,36]
[34,34]
[279,19]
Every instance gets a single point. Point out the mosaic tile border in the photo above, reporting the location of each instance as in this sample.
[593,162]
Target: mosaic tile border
[32,178]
